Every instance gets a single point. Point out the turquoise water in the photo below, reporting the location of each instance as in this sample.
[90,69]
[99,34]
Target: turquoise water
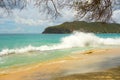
[21,40]
[18,41]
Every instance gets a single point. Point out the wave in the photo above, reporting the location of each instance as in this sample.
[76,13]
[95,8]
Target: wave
[77,39]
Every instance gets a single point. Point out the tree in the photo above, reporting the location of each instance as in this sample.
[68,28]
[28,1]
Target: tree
[8,5]
[98,10]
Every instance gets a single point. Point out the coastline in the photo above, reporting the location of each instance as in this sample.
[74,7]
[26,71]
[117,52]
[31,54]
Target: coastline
[79,63]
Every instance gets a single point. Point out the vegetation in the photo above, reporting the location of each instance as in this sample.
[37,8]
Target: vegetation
[95,27]
[97,10]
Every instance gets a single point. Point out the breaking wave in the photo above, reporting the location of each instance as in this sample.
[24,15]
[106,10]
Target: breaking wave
[77,39]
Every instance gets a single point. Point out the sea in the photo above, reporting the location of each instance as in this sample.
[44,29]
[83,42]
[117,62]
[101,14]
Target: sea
[24,49]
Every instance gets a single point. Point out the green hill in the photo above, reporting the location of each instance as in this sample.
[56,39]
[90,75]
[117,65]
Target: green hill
[94,27]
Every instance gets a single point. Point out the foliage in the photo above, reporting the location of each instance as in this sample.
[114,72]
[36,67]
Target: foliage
[98,10]
[94,27]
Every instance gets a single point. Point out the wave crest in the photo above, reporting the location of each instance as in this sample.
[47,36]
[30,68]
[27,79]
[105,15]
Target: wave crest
[77,39]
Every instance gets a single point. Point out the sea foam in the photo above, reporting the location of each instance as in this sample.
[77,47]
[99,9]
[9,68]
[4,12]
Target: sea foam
[77,39]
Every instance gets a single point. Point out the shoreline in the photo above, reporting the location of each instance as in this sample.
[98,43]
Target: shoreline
[66,66]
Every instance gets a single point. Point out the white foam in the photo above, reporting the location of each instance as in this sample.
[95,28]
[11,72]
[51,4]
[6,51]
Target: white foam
[80,39]
[77,39]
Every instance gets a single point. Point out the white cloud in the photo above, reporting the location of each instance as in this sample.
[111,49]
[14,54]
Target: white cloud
[30,22]
[13,30]
[32,17]
[116,16]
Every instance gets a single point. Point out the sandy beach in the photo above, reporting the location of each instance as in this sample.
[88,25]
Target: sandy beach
[59,39]
[89,65]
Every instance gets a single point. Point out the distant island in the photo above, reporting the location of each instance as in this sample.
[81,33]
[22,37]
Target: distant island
[94,27]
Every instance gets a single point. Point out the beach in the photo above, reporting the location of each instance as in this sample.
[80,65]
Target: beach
[87,65]
[111,74]
[59,40]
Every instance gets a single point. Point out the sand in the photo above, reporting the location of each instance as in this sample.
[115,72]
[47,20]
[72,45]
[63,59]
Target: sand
[111,74]
[79,66]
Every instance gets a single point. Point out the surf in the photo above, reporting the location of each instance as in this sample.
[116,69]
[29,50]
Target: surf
[77,39]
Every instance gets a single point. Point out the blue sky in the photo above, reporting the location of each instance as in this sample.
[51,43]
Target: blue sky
[30,20]
[13,27]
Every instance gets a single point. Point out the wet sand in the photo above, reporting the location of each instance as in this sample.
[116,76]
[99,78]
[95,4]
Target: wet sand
[110,74]
[75,66]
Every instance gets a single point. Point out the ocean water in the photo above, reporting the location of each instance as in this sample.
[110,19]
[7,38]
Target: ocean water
[23,49]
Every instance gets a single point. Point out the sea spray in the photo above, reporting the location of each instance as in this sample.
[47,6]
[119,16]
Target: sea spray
[80,39]
[77,39]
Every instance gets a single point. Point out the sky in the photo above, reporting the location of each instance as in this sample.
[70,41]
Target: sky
[30,20]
